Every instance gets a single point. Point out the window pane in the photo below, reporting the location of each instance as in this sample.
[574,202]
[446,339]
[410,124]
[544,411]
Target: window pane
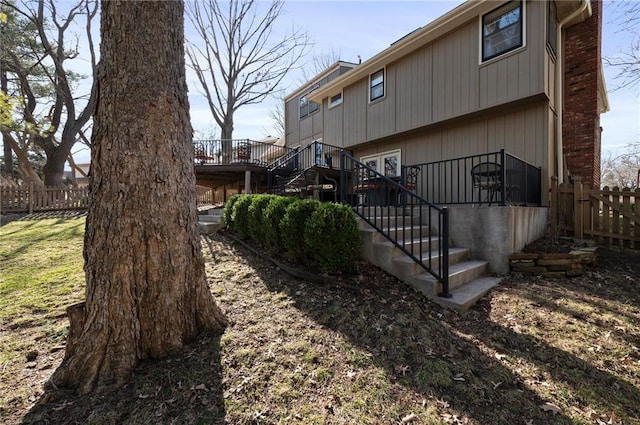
[391,166]
[377,91]
[552,34]
[377,78]
[335,100]
[313,106]
[502,30]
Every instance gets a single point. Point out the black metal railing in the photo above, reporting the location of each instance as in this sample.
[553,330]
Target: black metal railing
[296,161]
[493,178]
[237,151]
[416,226]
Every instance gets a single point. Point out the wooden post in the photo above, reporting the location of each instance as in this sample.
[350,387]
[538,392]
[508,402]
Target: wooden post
[577,208]
[30,197]
[553,207]
[247,181]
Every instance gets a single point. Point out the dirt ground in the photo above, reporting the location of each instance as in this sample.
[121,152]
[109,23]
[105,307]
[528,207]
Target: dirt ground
[367,349]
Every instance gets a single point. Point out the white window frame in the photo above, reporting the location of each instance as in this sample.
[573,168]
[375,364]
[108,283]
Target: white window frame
[333,104]
[307,104]
[523,31]
[381,158]
[384,84]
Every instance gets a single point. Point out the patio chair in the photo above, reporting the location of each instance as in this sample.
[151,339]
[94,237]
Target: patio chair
[487,176]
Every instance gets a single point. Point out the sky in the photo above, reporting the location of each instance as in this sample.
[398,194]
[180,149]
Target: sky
[366,27]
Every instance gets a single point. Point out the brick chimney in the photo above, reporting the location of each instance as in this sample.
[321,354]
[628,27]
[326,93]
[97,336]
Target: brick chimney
[581,119]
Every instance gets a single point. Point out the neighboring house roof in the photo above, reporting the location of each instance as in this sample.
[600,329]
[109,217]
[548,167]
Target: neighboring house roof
[319,77]
[469,10]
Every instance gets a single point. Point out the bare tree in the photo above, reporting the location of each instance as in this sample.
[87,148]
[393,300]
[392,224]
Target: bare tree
[147,292]
[52,122]
[319,62]
[239,60]
[622,170]
[626,63]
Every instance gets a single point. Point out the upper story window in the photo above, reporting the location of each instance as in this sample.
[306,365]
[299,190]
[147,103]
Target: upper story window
[376,85]
[335,100]
[552,28]
[307,107]
[502,30]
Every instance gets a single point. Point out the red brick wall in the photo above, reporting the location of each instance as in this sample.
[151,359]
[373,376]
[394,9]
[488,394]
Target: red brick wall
[581,118]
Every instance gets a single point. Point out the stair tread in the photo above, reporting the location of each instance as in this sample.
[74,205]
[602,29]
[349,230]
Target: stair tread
[453,269]
[409,260]
[414,240]
[466,295]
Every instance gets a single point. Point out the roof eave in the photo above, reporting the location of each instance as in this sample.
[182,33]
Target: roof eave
[452,19]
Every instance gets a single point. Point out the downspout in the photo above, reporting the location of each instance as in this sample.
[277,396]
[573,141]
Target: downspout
[586,4]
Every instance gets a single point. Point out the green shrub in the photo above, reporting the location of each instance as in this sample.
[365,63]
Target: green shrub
[256,217]
[332,237]
[240,216]
[292,227]
[227,212]
[273,216]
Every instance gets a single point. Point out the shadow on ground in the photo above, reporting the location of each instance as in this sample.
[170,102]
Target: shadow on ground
[481,368]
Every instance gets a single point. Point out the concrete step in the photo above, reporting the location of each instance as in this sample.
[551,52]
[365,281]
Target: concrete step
[459,274]
[371,235]
[208,227]
[415,246]
[405,266]
[210,218]
[386,221]
[463,297]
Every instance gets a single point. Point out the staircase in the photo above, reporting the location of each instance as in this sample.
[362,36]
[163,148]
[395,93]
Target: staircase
[468,280]
[210,221]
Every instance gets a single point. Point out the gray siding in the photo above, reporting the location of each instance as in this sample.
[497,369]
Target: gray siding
[445,80]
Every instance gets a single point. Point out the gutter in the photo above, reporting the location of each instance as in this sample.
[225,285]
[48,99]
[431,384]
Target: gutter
[586,6]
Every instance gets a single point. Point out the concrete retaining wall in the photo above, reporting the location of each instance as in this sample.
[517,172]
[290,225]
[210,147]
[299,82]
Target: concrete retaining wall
[492,233]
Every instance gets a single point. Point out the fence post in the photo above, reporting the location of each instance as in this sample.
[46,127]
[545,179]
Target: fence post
[30,197]
[554,211]
[577,209]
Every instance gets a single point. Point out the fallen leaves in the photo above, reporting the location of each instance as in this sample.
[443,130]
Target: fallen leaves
[550,407]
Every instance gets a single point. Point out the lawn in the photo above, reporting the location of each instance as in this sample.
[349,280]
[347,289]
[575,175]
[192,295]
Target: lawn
[361,349]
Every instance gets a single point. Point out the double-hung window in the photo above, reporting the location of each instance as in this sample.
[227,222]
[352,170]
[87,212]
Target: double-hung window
[335,100]
[502,30]
[376,85]
[307,107]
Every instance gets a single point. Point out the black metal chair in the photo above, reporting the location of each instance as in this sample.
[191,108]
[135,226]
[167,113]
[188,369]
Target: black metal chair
[487,176]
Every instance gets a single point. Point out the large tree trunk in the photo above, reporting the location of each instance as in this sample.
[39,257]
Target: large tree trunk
[147,293]
[7,155]
[53,169]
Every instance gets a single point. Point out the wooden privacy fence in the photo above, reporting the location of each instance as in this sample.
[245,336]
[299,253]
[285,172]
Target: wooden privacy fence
[33,198]
[610,216]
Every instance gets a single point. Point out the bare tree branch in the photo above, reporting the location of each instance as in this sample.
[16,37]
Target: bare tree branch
[237,60]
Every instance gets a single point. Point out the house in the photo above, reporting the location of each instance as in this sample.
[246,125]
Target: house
[446,142]
[518,78]
[524,76]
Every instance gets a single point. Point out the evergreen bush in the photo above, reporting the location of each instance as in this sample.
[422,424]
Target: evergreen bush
[332,237]
[274,214]
[240,216]
[257,216]
[292,227]
[227,212]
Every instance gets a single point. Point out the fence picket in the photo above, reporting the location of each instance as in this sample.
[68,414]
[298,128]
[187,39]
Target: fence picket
[15,200]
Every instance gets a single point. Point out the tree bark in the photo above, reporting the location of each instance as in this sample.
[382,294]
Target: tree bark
[146,293]
[8,156]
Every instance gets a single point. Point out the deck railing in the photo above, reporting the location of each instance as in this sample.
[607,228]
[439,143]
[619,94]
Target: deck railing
[492,178]
[416,226]
[317,154]
[236,151]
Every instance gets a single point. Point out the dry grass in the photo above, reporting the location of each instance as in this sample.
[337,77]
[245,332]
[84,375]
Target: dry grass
[366,349]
